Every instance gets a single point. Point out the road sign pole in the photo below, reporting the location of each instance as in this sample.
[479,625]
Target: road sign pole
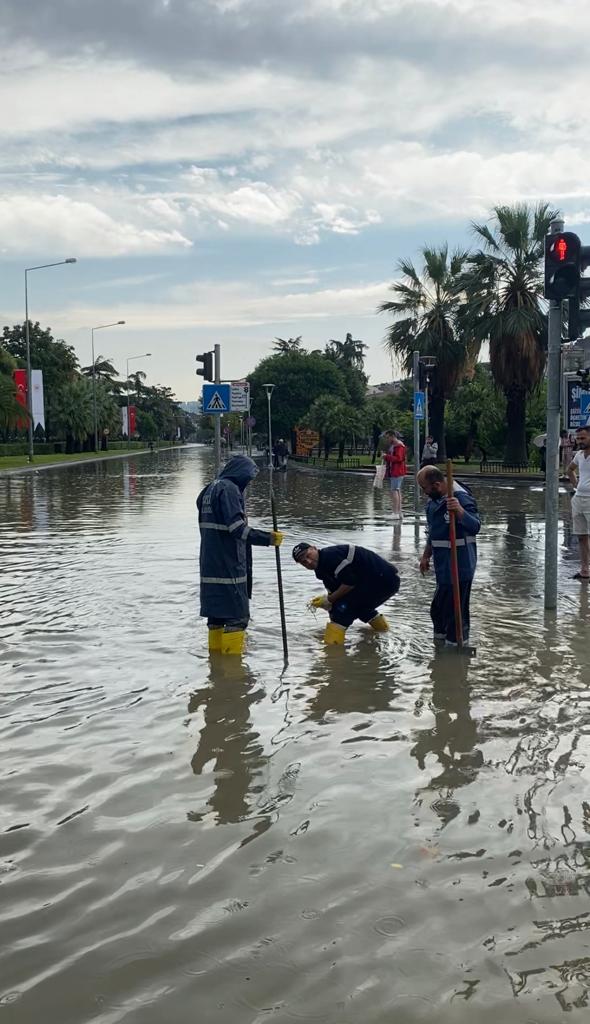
[217,419]
[416,367]
[552,445]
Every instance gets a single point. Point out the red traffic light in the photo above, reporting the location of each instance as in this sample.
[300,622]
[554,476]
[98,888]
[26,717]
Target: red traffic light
[561,248]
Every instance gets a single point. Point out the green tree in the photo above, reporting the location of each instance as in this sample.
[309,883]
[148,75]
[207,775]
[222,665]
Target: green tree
[432,322]
[335,420]
[73,412]
[298,380]
[504,288]
[57,361]
[106,372]
[287,346]
[146,426]
[350,352]
[134,383]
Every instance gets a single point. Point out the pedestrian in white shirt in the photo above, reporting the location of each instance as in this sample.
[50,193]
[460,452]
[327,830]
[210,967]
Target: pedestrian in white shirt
[579,475]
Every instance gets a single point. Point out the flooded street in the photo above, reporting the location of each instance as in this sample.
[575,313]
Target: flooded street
[375,835]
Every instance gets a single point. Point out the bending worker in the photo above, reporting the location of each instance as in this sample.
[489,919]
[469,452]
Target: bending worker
[226,584]
[357,581]
[438,545]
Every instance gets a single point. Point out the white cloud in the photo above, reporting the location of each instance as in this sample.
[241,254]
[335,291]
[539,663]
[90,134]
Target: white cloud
[57,223]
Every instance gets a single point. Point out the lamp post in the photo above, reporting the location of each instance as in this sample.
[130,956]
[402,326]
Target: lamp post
[100,327]
[28,270]
[269,388]
[428,362]
[144,355]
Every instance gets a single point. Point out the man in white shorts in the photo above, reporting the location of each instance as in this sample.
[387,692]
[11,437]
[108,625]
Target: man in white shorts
[579,476]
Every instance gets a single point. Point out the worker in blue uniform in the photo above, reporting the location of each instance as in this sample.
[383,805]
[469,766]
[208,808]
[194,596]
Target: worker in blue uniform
[438,546]
[226,583]
[357,581]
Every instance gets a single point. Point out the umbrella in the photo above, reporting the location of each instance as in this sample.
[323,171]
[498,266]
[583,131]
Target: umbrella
[539,440]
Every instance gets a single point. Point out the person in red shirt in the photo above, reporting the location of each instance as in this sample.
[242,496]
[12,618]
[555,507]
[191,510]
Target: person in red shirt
[394,457]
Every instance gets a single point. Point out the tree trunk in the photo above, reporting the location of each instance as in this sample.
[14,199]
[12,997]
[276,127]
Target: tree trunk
[515,452]
[437,424]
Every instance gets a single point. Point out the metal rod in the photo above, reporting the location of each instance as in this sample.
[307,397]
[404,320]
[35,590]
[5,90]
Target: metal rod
[94,396]
[217,418]
[552,443]
[279,577]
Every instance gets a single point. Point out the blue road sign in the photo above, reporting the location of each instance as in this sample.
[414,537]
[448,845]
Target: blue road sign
[585,409]
[418,405]
[216,398]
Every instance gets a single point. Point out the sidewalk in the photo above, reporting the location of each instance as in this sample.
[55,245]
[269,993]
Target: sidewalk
[83,459]
[467,474]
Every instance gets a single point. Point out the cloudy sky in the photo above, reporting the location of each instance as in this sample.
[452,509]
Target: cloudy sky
[231,170]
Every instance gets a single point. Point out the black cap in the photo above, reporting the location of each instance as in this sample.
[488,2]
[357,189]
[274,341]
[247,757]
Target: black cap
[299,549]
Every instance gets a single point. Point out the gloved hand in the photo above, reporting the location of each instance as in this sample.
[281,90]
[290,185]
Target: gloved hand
[321,601]
[276,538]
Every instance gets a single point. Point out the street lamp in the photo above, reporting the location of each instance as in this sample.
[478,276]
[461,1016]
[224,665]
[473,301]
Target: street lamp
[100,327]
[269,388]
[28,270]
[144,355]
[428,362]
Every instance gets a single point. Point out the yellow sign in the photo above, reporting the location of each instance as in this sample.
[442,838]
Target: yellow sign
[305,441]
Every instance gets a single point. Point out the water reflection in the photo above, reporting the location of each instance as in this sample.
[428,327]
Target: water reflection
[228,742]
[347,680]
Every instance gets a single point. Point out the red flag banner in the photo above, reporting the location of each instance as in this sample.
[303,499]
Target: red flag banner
[132,420]
[20,382]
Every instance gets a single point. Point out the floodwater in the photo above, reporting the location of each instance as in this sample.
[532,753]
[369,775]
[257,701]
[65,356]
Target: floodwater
[377,835]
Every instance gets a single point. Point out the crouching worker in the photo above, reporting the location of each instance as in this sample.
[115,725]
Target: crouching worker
[226,584]
[438,545]
[357,581]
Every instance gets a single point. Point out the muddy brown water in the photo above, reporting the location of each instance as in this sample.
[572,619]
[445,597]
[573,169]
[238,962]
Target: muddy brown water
[376,835]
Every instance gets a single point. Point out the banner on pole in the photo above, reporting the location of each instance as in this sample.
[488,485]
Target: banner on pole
[38,401]
[577,398]
[20,382]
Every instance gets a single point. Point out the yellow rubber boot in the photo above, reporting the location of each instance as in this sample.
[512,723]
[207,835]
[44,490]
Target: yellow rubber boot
[215,635]
[233,643]
[379,624]
[334,634]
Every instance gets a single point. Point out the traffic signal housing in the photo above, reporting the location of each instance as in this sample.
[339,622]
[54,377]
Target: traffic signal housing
[562,265]
[208,371]
[578,316]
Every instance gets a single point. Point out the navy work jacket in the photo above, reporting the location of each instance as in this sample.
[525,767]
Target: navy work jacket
[225,540]
[438,536]
[355,567]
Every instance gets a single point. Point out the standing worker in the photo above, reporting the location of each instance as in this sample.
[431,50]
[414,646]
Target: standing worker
[396,469]
[438,546]
[357,581]
[226,584]
[579,475]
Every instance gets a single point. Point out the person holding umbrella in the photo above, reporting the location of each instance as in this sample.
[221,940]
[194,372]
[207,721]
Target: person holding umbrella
[438,547]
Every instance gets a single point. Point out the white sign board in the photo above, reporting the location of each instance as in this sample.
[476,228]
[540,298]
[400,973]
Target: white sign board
[240,396]
[38,402]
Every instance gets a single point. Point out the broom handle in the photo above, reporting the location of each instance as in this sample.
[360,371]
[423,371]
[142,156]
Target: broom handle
[454,564]
[279,579]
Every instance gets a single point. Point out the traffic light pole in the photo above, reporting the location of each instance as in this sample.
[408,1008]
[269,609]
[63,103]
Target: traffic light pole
[416,369]
[552,444]
[217,418]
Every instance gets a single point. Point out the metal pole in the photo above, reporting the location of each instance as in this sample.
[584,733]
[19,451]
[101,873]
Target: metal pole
[29,373]
[416,366]
[268,398]
[552,445]
[128,419]
[217,421]
[426,418]
[94,396]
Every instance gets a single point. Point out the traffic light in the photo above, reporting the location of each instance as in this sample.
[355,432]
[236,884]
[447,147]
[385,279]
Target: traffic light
[578,316]
[208,372]
[562,265]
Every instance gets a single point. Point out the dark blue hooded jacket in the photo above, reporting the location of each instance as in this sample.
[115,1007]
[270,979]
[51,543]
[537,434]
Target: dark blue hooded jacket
[225,537]
[438,536]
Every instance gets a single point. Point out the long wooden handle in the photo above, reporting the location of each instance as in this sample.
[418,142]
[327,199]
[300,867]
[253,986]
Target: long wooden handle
[454,563]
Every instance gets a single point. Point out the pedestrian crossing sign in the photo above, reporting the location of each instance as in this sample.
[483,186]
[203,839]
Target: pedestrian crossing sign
[216,398]
[418,405]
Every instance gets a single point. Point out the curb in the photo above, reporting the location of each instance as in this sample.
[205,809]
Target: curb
[85,462]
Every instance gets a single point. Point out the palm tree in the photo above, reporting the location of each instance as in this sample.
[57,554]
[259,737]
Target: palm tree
[504,287]
[73,411]
[287,346]
[134,382]
[105,371]
[336,420]
[350,352]
[431,307]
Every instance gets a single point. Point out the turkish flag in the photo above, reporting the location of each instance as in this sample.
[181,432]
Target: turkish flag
[20,380]
[132,420]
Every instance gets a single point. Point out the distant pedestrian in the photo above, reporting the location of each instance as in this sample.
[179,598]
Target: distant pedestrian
[579,475]
[566,450]
[429,452]
[438,546]
[282,455]
[225,584]
[396,469]
[357,581]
